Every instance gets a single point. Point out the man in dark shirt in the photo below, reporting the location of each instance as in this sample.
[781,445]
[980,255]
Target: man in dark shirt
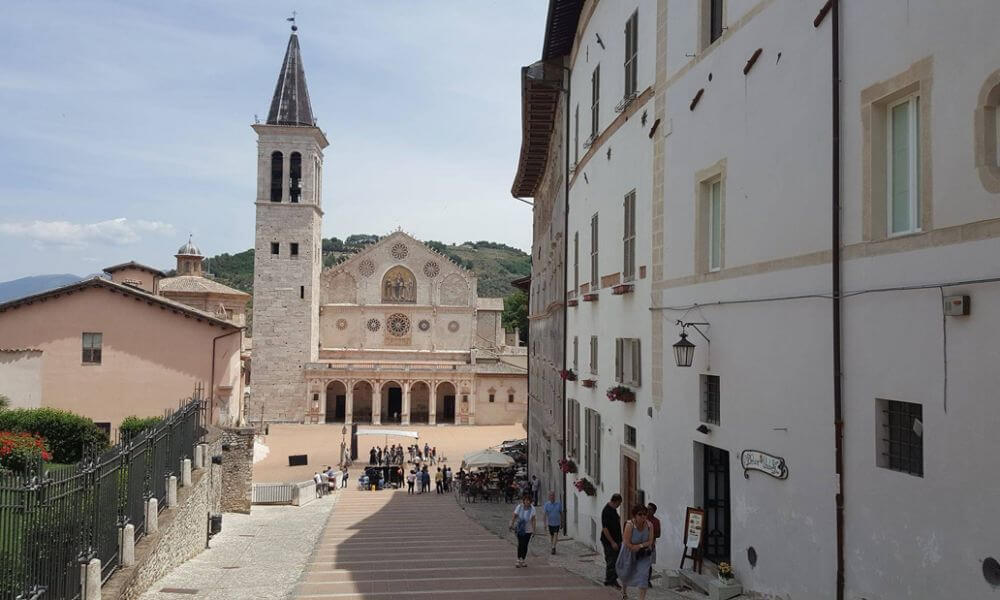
[611,538]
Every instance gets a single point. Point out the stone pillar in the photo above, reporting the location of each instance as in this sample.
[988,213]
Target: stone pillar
[172,491]
[152,516]
[126,545]
[406,403]
[186,472]
[432,405]
[90,580]
[349,404]
[377,404]
[199,457]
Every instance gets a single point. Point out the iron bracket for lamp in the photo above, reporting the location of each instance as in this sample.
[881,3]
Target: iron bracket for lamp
[695,327]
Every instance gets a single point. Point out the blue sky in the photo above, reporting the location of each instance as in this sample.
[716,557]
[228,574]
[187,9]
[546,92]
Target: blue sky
[127,124]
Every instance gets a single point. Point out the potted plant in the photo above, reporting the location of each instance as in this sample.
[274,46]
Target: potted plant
[620,393]
[567,466]
[584,485]
[568,375]
[589,383]
[726,573]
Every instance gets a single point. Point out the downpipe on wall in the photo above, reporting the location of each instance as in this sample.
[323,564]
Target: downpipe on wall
[835,262]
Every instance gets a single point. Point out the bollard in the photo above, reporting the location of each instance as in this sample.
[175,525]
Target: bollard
[90,580]
[186,472]
[172,491]
[126,545]
[199,456]
[152,515]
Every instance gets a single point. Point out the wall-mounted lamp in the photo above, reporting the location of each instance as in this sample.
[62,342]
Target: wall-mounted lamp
[684,349]
[703,429]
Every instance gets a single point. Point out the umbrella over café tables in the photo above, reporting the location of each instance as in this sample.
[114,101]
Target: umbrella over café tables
[487,458]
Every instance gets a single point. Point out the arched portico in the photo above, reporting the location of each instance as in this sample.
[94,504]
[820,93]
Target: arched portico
[392,402]
[336,402]
[444,403]
[420,402]
[361,404]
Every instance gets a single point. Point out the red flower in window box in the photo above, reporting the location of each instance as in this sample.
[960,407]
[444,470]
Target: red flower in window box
[567,466]
[571,302]
[584,485]
[589,383]
[622,289]
[567,375]
[620,393]
[591,297]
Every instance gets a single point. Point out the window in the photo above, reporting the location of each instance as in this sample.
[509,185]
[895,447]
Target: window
[492,397]
[302,292]
[628,361]
[274,248]
[594,276]
[277,164]
[631,54]
[710,399]
[595,101]
[295,176]
[293,249]
[629,435]
[105,427]
[901,436]
[712,18]
[576,135]
[576,353]
[92,348]
[987,124]
[903,167]
[593,354]
[572,427]
[510,398]
[628,269]
[576,261]
[715,226]
[592,444]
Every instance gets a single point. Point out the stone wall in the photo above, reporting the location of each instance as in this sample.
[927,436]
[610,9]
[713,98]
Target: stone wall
[236,446]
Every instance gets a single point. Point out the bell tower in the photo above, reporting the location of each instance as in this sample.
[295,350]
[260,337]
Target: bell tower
[287,249]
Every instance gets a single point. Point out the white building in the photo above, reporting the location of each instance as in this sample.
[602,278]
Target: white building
[743,173]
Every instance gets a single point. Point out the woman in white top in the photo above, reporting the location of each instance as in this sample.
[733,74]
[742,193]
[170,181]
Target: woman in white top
[523,524]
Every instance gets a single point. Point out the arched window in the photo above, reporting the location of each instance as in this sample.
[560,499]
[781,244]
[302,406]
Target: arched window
[277,164]
[295,176]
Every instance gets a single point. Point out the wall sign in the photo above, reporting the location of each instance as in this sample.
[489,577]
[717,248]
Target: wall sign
[755,460]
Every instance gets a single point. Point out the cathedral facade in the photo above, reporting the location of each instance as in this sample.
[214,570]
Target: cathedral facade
[395,334]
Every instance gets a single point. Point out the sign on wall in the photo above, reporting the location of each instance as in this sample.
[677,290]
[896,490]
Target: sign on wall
[755,460]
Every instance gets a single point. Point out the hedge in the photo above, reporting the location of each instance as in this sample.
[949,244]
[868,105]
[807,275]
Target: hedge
[133,425]
[69,436]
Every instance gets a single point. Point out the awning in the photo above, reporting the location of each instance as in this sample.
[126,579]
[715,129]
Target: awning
[487,458]
[395,432]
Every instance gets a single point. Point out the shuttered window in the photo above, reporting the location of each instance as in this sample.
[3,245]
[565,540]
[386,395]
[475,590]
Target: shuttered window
[595,101]
[593,354]
[92,343]
[595,279]
[628,361]
[631,54]
[628,243]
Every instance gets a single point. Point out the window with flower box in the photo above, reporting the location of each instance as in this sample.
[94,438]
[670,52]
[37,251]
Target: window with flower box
[592,444]
[628,361]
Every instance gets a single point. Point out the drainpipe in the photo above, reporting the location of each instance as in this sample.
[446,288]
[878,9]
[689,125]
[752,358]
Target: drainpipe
[838,410]
[565,274]
[211,383]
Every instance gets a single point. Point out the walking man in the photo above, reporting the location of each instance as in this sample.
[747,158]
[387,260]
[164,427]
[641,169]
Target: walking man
[553,518]
[611,538]
[439,481]
[410,480]
[535,485]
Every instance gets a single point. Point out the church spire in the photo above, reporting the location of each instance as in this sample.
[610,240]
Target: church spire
[290,105]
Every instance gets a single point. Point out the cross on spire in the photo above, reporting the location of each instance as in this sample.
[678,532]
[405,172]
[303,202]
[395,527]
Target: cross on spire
[291,19]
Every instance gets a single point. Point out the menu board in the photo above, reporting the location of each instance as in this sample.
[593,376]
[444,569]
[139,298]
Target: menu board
[694,522]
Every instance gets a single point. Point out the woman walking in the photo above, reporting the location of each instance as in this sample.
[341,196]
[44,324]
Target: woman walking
[636,555]
[523,524]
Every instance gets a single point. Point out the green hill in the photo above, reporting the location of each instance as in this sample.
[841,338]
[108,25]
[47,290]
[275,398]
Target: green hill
[495,264]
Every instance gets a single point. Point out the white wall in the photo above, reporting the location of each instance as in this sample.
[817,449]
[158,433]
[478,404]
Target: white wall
[21,377]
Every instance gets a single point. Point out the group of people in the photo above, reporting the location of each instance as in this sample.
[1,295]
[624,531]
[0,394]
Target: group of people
[421,480]
[428,454]
[330,478]
[629,552]
[390,455]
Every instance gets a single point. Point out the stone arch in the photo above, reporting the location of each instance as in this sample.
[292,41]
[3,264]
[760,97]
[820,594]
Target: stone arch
[391,398]
[399,286]
[420,402]
[362,401]
[338,288]
[445,402]
[454,291]
[336,401]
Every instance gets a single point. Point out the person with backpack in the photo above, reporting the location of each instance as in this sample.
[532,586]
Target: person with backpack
[523,525]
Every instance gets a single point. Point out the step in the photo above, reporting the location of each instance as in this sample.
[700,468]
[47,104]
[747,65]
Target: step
[711,586]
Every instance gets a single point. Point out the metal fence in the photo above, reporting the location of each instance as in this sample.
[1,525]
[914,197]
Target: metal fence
[52,523]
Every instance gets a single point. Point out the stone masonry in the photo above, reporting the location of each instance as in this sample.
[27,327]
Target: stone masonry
[237,470]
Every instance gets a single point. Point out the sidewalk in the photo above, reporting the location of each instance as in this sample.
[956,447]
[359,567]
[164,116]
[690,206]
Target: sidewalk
[571,555]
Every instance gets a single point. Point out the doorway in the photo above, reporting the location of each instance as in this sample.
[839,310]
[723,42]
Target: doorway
[715,478]
[336,402]
[448,414]
[395,405]
[630,484]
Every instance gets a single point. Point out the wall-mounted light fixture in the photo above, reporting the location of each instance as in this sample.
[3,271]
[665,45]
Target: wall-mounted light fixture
[684,349]
[703,429]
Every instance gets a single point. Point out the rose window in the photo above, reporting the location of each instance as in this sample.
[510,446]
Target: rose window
[366,268]
[431,269]
[341,323]
[399,251]
[373,325]
[453,326]
[397,324]
[424,325]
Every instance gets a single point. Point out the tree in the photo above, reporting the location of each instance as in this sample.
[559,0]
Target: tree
[515,314]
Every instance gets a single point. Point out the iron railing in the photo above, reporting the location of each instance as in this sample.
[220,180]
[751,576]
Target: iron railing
[54,520]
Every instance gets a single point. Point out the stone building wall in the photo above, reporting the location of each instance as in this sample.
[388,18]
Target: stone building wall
[236,447]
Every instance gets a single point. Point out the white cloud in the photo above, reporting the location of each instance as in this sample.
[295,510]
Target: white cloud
[115,232]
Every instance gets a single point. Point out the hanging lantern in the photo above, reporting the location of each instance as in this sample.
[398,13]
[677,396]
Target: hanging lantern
[684,351]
